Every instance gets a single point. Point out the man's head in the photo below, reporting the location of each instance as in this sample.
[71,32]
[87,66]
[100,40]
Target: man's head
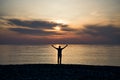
[59,46]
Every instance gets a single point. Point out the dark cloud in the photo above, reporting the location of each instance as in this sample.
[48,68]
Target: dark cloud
[35,23]
[33,27]
[34,32]
[109,32]
[68,29]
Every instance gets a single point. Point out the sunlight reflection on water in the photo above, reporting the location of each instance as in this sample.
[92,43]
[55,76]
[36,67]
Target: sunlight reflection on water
[73,54]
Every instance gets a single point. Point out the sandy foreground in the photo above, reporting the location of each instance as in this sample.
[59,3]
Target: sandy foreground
[58,72]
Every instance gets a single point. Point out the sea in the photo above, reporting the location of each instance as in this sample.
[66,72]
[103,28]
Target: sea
[83,54]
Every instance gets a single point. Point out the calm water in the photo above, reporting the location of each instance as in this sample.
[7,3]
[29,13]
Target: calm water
[73,54]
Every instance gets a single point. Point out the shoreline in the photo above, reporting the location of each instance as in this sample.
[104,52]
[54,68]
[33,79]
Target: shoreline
[58,72]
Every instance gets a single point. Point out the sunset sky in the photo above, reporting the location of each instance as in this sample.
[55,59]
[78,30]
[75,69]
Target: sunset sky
[59,21]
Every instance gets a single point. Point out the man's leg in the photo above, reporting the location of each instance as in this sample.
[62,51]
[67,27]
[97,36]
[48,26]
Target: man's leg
[58,59]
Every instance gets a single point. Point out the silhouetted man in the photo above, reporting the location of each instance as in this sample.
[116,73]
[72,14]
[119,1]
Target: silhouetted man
[59,49]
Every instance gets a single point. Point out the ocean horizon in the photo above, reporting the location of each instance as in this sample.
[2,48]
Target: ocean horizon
[87,54]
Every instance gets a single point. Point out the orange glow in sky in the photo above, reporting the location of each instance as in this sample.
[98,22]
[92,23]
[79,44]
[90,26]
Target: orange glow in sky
[61,20]
[57,28]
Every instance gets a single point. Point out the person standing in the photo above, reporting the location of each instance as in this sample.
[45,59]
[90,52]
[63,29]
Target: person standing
[59,49]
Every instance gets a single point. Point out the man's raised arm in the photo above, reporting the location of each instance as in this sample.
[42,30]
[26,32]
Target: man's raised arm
[53,46]
[65,46]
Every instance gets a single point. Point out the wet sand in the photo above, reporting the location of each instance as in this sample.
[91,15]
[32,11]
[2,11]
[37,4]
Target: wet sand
[58,72]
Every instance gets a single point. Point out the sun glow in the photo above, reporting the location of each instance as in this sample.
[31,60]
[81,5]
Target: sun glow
[57,28]
[61,21]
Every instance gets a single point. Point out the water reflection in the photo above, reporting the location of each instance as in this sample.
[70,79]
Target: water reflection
[73,54]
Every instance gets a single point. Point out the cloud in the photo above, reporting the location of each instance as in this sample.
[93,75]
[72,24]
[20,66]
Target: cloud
[68,29]
[35,23]
[34,27]
[97,13]
[38,30]
[34,32]
[108,33]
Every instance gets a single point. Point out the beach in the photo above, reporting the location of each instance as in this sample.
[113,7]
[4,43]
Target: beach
[58,72]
